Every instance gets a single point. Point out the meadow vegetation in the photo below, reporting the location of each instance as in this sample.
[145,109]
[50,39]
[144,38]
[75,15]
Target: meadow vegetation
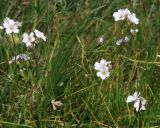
[57,87]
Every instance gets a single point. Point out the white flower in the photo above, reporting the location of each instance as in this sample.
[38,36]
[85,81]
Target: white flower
[103,74]
[11,26]
[133,98]
[119,42]
[101,39]
[102,68]
[134,31]
[139,102]
[56,104]
[28,39]
[126,39]
[121,14]
[126,12]
[102,65]
[21,56]
[132,18]
[39,34]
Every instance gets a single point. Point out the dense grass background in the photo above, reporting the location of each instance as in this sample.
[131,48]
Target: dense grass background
[62,68]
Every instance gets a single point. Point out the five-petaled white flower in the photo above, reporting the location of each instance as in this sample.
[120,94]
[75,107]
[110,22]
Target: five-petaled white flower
[56,104]
[139,102]
[121,14]
[11,26]
[102,68]
[40,34]
[132,18]
[28,39]
[21,56]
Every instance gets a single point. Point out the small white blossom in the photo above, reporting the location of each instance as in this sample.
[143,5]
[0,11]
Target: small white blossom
[102,68]
[126,39]
[101,39]
[139,102]
[132,18]
[133,97]
[28,39]
[56,104]
[134,31]
[11,26]
[39,34]
[119,42]
[103,74]
[19,57]
[121,14]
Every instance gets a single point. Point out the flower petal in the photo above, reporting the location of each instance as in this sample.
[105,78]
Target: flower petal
[130,99]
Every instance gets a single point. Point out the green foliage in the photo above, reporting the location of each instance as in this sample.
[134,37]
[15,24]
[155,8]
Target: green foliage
[63,67]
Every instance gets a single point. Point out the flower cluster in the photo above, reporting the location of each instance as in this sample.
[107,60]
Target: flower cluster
[56,104]
[139,102]
[28,39]
[102,68]
[19,57]
[10,26]
[122,14]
